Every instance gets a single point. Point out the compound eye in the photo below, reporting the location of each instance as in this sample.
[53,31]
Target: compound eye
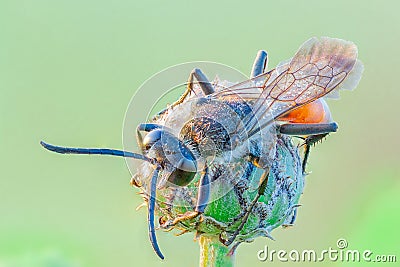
[185,172]
[151,138]
[187,165]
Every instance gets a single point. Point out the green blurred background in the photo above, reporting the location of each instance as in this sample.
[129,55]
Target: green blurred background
[69,68]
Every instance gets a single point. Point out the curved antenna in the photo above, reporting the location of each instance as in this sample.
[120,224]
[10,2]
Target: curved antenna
[150,213]
[120,153]
[94,151]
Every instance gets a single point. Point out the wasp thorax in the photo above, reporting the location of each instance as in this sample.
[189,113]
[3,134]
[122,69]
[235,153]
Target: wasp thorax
[208,136]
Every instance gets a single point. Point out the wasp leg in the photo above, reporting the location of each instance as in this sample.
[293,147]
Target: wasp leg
[233,249]
[204,191]
[306,155]
[308,142]
[292,219]
[294,216]
[261,190]
[314,132]
[242,186]
[260,64]
[307,128]
[150,214]
[203,81]
[202,199]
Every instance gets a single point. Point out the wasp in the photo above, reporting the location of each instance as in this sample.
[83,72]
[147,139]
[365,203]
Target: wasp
[213,129]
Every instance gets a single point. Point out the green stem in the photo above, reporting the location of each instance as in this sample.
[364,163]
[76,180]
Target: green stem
[214,254]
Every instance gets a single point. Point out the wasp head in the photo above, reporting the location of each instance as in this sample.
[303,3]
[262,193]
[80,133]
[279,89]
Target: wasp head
[172,155]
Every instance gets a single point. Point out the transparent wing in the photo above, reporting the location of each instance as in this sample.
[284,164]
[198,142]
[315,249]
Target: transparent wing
[251,89]
[318,68]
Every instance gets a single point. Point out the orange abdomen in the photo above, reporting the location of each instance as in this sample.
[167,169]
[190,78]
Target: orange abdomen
[314,112]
